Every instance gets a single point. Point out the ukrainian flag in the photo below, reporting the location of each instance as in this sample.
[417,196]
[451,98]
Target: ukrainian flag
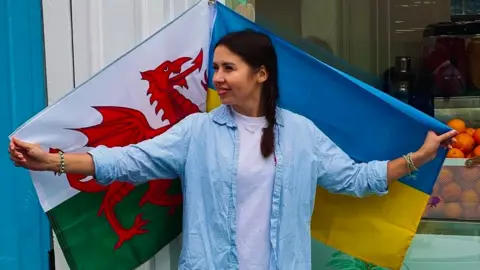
[367,124]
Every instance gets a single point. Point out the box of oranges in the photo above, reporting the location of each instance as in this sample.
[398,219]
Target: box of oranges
[456,194]
[467,142]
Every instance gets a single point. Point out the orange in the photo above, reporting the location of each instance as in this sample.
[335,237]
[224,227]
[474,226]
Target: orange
[451,192]
[445,176]
[436,190]
[469,197]
[469,176]
[437,211]
[452,210]
[464,142]
[476,151]
[476,136]
[455,153]
[426,211]
[470,131]
[470,212]
[458,125]
[477,187]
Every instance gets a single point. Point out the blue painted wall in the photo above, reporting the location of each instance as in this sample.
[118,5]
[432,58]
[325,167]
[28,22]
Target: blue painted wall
[24,228]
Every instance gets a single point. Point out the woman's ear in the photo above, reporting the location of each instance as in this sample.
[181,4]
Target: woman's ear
[262,74]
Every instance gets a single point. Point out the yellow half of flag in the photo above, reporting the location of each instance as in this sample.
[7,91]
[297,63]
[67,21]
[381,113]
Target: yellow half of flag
[374,229]
[213,100]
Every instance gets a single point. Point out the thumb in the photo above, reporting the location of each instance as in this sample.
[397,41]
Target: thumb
[447,135]
[22,144]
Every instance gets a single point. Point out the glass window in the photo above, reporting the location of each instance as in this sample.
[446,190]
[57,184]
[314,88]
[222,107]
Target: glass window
[465,7]
[368,39]
[424,52]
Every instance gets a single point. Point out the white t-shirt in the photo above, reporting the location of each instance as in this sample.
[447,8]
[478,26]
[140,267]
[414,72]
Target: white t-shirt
[255,176]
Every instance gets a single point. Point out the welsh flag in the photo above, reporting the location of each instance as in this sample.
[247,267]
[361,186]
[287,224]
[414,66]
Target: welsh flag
[139,96]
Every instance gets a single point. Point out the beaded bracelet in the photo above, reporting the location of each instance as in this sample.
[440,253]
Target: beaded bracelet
[62,163]
[410,165]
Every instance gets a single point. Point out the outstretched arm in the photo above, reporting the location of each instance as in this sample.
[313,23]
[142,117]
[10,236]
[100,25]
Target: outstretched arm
[161,157]
[338,173]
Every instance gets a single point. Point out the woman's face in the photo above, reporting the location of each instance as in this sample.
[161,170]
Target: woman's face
[235,81]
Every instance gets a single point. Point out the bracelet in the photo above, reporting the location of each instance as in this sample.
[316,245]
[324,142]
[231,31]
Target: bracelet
[62,163]
[411,167]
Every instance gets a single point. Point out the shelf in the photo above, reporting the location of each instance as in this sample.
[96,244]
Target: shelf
[457,162]
[465,108]
[469,102]
[449,227]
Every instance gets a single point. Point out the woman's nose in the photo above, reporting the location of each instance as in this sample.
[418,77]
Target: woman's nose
[218,77]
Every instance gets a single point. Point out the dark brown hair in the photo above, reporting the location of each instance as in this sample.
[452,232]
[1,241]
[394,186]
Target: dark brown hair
[257,50]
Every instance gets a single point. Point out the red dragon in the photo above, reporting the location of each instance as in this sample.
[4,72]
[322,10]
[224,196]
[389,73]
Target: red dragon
[123,126]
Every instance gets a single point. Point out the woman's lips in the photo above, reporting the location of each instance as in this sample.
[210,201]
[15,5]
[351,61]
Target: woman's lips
[222,92]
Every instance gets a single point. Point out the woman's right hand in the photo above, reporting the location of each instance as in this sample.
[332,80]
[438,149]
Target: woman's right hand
[28,155]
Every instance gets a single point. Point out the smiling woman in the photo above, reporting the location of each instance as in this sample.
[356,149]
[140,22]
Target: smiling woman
[257,144]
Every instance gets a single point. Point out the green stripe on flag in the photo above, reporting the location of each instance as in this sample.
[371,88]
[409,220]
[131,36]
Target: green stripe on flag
[91,238]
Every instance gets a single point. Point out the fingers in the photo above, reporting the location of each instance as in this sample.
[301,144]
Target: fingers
[448,135]
[21,144]
[446,144]
[15,154]
[17,161]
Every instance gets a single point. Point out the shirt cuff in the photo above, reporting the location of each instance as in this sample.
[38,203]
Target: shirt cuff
[100,160]
[379,175]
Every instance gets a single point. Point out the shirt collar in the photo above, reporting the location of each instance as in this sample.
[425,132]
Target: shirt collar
[223,115]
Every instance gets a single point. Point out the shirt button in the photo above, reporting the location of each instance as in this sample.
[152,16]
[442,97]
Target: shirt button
[277,190]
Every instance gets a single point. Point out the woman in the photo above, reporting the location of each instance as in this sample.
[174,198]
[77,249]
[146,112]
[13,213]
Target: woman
[249,169]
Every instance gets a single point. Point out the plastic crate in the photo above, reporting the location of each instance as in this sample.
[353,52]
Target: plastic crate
[456,194]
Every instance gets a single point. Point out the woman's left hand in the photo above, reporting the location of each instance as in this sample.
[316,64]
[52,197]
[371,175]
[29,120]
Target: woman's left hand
[429,149]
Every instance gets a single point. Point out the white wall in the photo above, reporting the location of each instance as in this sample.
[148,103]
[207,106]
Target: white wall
[81,37]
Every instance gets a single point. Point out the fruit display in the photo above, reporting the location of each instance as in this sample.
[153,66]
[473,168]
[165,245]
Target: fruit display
[467,142]
[456,194]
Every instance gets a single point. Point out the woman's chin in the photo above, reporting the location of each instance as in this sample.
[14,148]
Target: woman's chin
[226,100]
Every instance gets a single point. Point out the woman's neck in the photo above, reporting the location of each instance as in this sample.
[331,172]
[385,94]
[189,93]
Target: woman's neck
[252,106]
[251,110]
